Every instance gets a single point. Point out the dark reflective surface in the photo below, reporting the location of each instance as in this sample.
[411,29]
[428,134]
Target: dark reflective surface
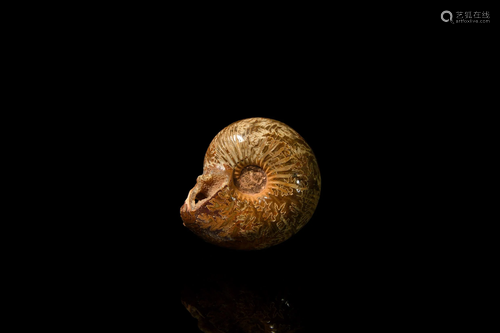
[242,303]
[362,277]
[235,291]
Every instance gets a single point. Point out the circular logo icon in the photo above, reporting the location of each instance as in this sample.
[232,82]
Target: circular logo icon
[446,20]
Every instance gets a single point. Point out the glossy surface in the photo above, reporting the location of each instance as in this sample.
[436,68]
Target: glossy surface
[260,185]
[240,305]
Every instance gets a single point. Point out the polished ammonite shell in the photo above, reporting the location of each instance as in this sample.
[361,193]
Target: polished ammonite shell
[260,185]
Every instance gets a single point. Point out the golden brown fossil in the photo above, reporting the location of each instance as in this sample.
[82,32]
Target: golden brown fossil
[260,185]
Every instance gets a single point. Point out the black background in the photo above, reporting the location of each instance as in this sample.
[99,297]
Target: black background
[390,242]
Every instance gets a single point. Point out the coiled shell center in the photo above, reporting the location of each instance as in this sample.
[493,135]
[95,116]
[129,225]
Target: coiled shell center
[251,179]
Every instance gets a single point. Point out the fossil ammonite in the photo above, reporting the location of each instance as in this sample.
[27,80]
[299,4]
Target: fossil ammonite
[260,185]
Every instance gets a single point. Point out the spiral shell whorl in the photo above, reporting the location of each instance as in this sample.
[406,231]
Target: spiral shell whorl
[267,186]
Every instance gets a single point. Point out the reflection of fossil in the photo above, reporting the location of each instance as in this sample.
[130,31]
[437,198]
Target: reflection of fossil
[234,308]
[260,185]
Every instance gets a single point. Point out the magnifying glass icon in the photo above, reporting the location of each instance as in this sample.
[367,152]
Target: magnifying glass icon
[446,20]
